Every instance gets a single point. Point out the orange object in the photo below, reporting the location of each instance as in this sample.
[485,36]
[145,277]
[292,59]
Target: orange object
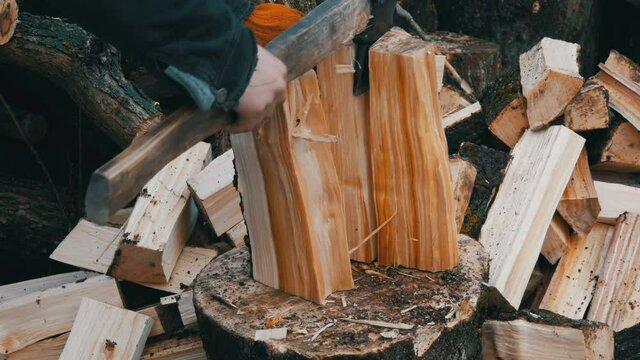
[268,20]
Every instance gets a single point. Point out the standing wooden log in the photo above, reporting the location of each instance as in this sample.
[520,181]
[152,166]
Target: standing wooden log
[411,175]
[8,20]
[348,118]
[412,323]
[292,200]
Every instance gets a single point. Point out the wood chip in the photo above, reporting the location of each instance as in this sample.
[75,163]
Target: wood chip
[384,324]
[270,334]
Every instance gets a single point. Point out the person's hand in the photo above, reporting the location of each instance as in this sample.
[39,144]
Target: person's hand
[266,90]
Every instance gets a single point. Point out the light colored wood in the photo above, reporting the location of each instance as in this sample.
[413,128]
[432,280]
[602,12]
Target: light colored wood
[152,313]
[615,199]
[440,63]
[513,234]
[589,110]
[48,349]
[185,307]
[511,122]
[456,106]
[348,118]
[550,78]
[621,150]
[616,300]
[42,314]
[237,234]
[292,199]
[621,77]
[102,331]
[88,246]
[410,163]
[579,205]
[213,191]
[574,280]
[520,339]
[8,20]
[161,222]
[12,291]
[463,175]
[179,348]
[556,241]
[120,217]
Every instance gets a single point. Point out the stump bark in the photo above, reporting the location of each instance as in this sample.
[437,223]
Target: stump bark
[446,309]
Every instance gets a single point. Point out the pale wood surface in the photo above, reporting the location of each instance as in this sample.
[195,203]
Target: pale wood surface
[39,315]
[191,261]
[574,280]
[161,222]
[511,122]
[621,150]
[579,204]
[412,179]
[348,118]
[182,348]
[292,198]
[513,234]
[621,77]
[237,234]
[589,110]
[456,106]
[185,308]
[616,300]
[102,331]
[48,349]
[615,199]
[556,241]
[463,175]
[12,291]
[550,78]
[8,20]
[215,195]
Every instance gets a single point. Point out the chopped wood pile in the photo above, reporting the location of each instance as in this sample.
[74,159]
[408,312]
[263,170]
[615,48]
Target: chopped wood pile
[335,182]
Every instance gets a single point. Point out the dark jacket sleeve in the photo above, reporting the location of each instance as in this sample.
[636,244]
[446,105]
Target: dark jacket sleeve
[201,39]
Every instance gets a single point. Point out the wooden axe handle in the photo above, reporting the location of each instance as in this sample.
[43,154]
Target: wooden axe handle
[301,47]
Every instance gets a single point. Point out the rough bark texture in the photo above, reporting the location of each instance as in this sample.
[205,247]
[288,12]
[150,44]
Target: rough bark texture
[628,343]
[490,164]
[452,299]
[87,69]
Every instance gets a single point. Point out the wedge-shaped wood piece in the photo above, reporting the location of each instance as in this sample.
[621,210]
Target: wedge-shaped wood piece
[618,149]
[550,78]
[574,280]
[42,314]
[161,221]
[48,349]
[505,109]
[541,165]
[556,241]
[461,117]
[539,339]
[103,331]
[617,297]
[463,174]
[12,291]
[621,77]
[348,118]
[615,199]
[589,110]
[411,175]
[292,199]
[579,204]
[178,348]
[215,195]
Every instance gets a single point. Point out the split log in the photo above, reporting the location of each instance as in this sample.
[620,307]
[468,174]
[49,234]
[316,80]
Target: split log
[616,199]
[490,165]
[48,349]
[463,175]
[8,20]
[214,193]
[579,204]
[298,241]
[411,175]
[187,347]
[231,307]
[505,109]
[12,291]
[348,118]
[556,241]
[184,304]
[461,117]
[161,222]
[617,148]
[574,280]
[621,77]
[542,335]
[513,234]
[68,56]
[616,300]
[102,331]
[39,315]
[589,110]
[550,77]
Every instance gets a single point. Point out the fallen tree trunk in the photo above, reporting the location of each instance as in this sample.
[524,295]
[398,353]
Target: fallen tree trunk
[86,69]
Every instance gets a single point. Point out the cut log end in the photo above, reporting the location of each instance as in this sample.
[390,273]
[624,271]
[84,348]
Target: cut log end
[8,20]
[231,307]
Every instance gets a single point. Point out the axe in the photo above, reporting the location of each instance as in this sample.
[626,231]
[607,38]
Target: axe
[300,48]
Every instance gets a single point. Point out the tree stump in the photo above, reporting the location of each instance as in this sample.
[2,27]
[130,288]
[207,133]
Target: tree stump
[445,309]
